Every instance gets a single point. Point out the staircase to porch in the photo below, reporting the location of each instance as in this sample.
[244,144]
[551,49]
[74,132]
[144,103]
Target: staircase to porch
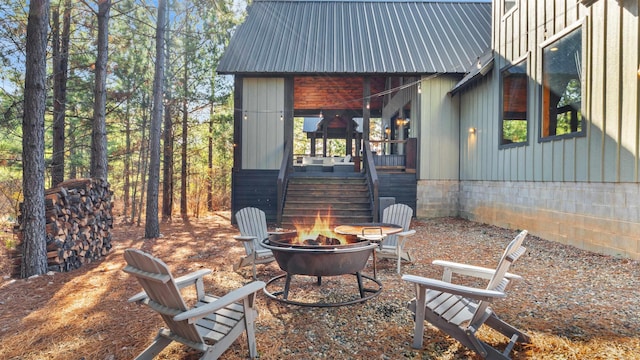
[345,197]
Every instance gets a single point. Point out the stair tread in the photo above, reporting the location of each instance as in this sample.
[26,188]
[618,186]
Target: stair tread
[346,199]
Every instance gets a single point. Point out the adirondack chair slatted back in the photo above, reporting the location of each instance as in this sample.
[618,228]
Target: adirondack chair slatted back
[252,222]
[498,281]
[397,214]
[164,296]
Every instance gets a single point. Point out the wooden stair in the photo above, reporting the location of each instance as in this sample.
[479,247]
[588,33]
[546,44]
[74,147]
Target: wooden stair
[345,198]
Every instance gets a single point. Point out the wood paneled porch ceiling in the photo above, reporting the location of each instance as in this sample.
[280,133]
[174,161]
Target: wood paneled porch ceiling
[335,92]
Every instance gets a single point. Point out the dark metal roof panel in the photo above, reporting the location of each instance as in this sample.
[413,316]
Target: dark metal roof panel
[359,36]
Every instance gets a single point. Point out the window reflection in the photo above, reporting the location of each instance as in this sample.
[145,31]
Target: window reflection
[514,104]
[562,85]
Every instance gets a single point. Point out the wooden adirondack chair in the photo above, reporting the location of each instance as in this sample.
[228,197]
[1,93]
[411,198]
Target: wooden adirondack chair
[211,326]
[392,247]
[252,224]
[461,310]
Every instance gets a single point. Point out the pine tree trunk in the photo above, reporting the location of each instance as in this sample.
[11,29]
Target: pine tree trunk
[35,92]
[210,159]
[167,183]
[99,131]
[185,117]
[127,161]
[60,75]
[152,226]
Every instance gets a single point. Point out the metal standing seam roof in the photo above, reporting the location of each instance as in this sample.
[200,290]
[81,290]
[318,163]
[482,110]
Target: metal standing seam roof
[360,36]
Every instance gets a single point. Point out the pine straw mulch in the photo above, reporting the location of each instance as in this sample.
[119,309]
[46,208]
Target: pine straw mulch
[575,304]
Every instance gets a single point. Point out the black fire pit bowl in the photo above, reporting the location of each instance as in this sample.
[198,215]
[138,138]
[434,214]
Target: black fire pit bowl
[318,261]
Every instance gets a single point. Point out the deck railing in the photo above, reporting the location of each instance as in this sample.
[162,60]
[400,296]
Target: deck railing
[389,159]
[372,178]
[283,175]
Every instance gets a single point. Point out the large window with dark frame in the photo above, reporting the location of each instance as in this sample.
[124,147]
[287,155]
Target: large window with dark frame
[562,86]
[514,103]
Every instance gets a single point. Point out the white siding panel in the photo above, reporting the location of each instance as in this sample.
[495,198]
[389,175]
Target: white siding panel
[262,130]
[439,138]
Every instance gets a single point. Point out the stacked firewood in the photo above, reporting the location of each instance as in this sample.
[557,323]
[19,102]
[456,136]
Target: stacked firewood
[79,223]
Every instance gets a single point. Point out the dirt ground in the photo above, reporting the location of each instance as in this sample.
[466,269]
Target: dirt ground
[574,304]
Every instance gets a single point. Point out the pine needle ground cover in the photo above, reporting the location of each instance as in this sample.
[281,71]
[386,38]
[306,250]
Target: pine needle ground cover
[575,304]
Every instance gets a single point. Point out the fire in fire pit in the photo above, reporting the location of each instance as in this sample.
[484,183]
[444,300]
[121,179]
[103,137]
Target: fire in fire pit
[319,252]
[318,234]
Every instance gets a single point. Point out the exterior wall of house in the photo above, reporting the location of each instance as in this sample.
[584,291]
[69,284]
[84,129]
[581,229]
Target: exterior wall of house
[263,110]
[600,217]
[580,190]
[438,145]
[438,137]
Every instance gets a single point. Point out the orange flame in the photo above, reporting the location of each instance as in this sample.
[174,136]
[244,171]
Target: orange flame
[321,226]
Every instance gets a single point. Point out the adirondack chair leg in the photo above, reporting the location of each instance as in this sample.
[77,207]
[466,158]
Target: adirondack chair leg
[253,267]
[250,316]
[506,329]
[421,301]
[158,344]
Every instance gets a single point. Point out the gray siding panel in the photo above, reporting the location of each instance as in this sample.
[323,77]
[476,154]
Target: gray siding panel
[611,91]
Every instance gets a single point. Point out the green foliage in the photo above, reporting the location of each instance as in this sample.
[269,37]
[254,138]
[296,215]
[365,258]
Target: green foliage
[572,97]
[514,131]
[199,32]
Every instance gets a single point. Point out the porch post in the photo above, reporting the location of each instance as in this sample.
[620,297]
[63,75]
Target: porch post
[237,123]
[366,111]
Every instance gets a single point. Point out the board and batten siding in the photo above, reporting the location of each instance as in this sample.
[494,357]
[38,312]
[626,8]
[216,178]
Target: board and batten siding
[438,131]
[610,100]
[584,190]
[439,148]
[262,124]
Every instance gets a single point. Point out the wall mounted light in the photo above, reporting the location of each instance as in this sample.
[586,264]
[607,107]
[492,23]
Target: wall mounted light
[368,103]
[281,116]
[420,88]
[472,130]
[245,115]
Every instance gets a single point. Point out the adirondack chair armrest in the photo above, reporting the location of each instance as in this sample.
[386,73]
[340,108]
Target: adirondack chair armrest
[406,233]
[231,297]
[402,236]
[466,291]
[469,270]
[245,238]
[191,278]
[181,282]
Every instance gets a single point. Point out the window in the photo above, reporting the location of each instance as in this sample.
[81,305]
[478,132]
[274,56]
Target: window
[562,86]
[507,5]
[514,104]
